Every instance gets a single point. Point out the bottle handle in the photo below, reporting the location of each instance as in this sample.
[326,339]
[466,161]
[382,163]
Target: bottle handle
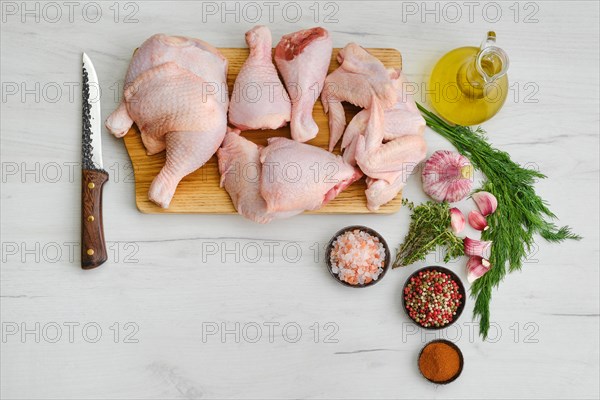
[488,51]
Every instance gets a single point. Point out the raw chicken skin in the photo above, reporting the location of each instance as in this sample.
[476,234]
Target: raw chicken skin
[195,55]
[240,169]
[388,165]
[385,161]
[402,119]
[172,108]
[303,60]
[301,177]
[259,99]
[406,153]
[176,93]
[359,78]
[380,192]
[390,116]
[186,52]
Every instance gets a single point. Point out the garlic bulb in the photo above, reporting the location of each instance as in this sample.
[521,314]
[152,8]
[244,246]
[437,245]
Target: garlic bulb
[447,176]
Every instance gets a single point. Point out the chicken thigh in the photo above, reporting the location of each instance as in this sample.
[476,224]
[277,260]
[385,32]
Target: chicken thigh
[299,177]
[195,55]
[303,60]
[176,93]
[240,169]
[259,99]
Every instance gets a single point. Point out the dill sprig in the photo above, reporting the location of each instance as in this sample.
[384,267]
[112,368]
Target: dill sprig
[520,215]
[429,228]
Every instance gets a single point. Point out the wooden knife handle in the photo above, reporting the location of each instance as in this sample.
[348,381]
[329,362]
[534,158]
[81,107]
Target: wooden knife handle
[93,247]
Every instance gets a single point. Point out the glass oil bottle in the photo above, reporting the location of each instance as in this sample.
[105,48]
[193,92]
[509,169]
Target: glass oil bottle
[469,85]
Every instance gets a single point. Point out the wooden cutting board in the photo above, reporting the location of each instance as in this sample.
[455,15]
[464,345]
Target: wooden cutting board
[200,193]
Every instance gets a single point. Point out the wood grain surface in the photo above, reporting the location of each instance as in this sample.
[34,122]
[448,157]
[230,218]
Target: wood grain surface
[93,245]
[199,192]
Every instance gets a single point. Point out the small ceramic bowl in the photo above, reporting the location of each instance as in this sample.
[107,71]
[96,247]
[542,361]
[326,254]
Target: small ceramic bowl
[386,263]
[461,290]
[460,356]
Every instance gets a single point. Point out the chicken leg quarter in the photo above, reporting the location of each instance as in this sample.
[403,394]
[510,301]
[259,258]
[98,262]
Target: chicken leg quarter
[170,103]
[176,94]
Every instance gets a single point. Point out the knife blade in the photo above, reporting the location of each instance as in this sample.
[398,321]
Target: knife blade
[93,176]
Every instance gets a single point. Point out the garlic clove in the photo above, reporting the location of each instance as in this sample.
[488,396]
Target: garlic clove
[486,202]
[480,248]
[447,176]
[478,221]
[476,268]
[457,220]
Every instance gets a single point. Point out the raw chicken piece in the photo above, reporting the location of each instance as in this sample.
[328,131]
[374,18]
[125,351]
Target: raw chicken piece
[176,93]
[303,60]
[407,152]
[360,78]
[259,100]
[301,177]
[387,165]
[240,169]
[188,53]
[195,55]
[380,192]
[402,119]
[385,162]
[170,106]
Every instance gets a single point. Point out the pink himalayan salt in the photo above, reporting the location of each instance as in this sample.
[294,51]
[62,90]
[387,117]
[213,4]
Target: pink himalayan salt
[357,257]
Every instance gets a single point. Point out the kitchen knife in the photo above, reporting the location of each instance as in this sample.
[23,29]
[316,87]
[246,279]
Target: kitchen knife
[93,177]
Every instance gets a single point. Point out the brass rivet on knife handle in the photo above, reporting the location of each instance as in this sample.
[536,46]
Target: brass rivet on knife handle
[93,246]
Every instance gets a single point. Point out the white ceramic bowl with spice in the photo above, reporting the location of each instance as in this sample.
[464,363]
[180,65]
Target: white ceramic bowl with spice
[372,233]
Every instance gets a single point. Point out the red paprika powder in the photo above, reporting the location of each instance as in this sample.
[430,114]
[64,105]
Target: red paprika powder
[440,362]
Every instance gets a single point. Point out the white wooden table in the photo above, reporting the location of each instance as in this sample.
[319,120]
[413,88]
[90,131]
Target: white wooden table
[193,306]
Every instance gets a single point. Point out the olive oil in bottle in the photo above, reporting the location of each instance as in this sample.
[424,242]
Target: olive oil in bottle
[469,85]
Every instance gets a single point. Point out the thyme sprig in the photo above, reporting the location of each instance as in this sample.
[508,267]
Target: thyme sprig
[429,228]
[521,213]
